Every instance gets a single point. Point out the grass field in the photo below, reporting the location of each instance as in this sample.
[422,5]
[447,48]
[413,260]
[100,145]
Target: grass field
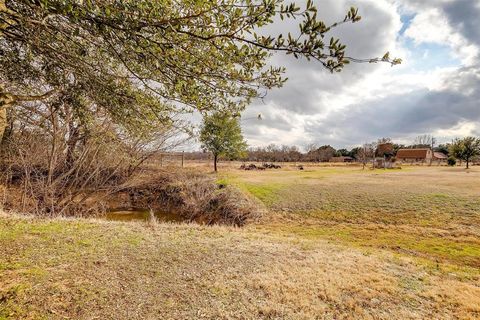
[334,243]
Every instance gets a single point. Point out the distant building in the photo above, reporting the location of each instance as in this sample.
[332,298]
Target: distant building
[439,156]
[342,159]
[415,155]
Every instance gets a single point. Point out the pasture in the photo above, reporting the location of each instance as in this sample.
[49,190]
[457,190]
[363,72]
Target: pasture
[334,242]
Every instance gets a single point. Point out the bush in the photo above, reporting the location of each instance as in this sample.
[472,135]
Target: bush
[451,161]
[194,197]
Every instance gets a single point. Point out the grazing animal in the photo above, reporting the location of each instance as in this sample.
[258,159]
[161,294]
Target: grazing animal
[271,166]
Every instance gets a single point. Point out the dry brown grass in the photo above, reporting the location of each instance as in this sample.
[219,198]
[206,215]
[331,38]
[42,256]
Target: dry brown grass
[97,270]
[426,212]
[337,243]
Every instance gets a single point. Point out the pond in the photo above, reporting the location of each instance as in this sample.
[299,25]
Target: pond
[140,214]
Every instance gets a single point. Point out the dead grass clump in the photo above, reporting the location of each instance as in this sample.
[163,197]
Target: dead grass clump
[227,206]
[195,197]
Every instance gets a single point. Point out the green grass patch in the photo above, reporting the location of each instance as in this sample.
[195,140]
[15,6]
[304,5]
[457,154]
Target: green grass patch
[460,252]
[266,192]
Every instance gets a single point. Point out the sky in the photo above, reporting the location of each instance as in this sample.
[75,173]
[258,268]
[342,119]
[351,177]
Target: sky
[436,90]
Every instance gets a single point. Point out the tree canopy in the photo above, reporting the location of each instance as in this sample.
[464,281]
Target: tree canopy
[465,149]
[143,59]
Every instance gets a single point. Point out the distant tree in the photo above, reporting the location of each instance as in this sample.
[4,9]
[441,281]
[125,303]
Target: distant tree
[397,147]
[372,151]
[354,152]
[311,152]
[361,155]
[342,153]
[465,149]
[294,154]
[425,141]
[384,149]
[455,150]
[451,161]
[311,147]
[384,140]
[221,134]
[365,152]
[325,153]
[443,148]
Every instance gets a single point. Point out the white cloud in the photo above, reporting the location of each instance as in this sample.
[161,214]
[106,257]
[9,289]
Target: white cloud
[366,101]
[432,26]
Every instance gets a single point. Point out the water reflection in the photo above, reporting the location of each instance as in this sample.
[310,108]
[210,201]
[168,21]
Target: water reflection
[137,214]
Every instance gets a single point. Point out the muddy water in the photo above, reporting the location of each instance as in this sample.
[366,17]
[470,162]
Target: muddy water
[139,214]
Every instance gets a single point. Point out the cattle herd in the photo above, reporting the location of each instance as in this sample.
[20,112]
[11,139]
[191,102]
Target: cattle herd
[262,167]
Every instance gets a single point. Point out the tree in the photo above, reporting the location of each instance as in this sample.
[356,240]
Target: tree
[397,147]
[455,150]
[385,148]
[384,140]
[325,153]
[130,51]
[366,152]
[451,161]
[221,134]
[355,152]
[342,153]
[425,141]
[443,148]
[465,149]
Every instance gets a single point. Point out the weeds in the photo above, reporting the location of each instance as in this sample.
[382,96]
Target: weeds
[195,197]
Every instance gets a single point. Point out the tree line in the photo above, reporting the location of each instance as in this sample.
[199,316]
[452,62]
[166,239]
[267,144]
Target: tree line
[461,149]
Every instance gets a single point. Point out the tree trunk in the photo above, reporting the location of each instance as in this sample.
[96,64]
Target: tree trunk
[72,142]
[215,158]
[3,122]
[468,161]
[6,101]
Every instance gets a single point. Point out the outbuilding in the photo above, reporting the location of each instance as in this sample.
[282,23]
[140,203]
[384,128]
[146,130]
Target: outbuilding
[440,157]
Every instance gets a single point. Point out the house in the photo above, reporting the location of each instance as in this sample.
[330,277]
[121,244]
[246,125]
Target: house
[341,159]
[415,155]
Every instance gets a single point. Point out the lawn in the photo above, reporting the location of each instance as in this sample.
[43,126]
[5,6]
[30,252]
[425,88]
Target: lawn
[334,243]
[426,212]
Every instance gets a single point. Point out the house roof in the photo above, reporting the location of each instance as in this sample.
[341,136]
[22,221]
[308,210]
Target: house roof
[440,155]
[412,153]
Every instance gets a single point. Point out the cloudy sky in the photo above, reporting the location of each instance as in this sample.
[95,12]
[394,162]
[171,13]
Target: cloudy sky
[435,91]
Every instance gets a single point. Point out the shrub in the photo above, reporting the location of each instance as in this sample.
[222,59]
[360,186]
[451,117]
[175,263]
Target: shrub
[195,197]
[451,161]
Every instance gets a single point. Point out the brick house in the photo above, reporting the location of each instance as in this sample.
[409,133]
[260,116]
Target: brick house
[415,155]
